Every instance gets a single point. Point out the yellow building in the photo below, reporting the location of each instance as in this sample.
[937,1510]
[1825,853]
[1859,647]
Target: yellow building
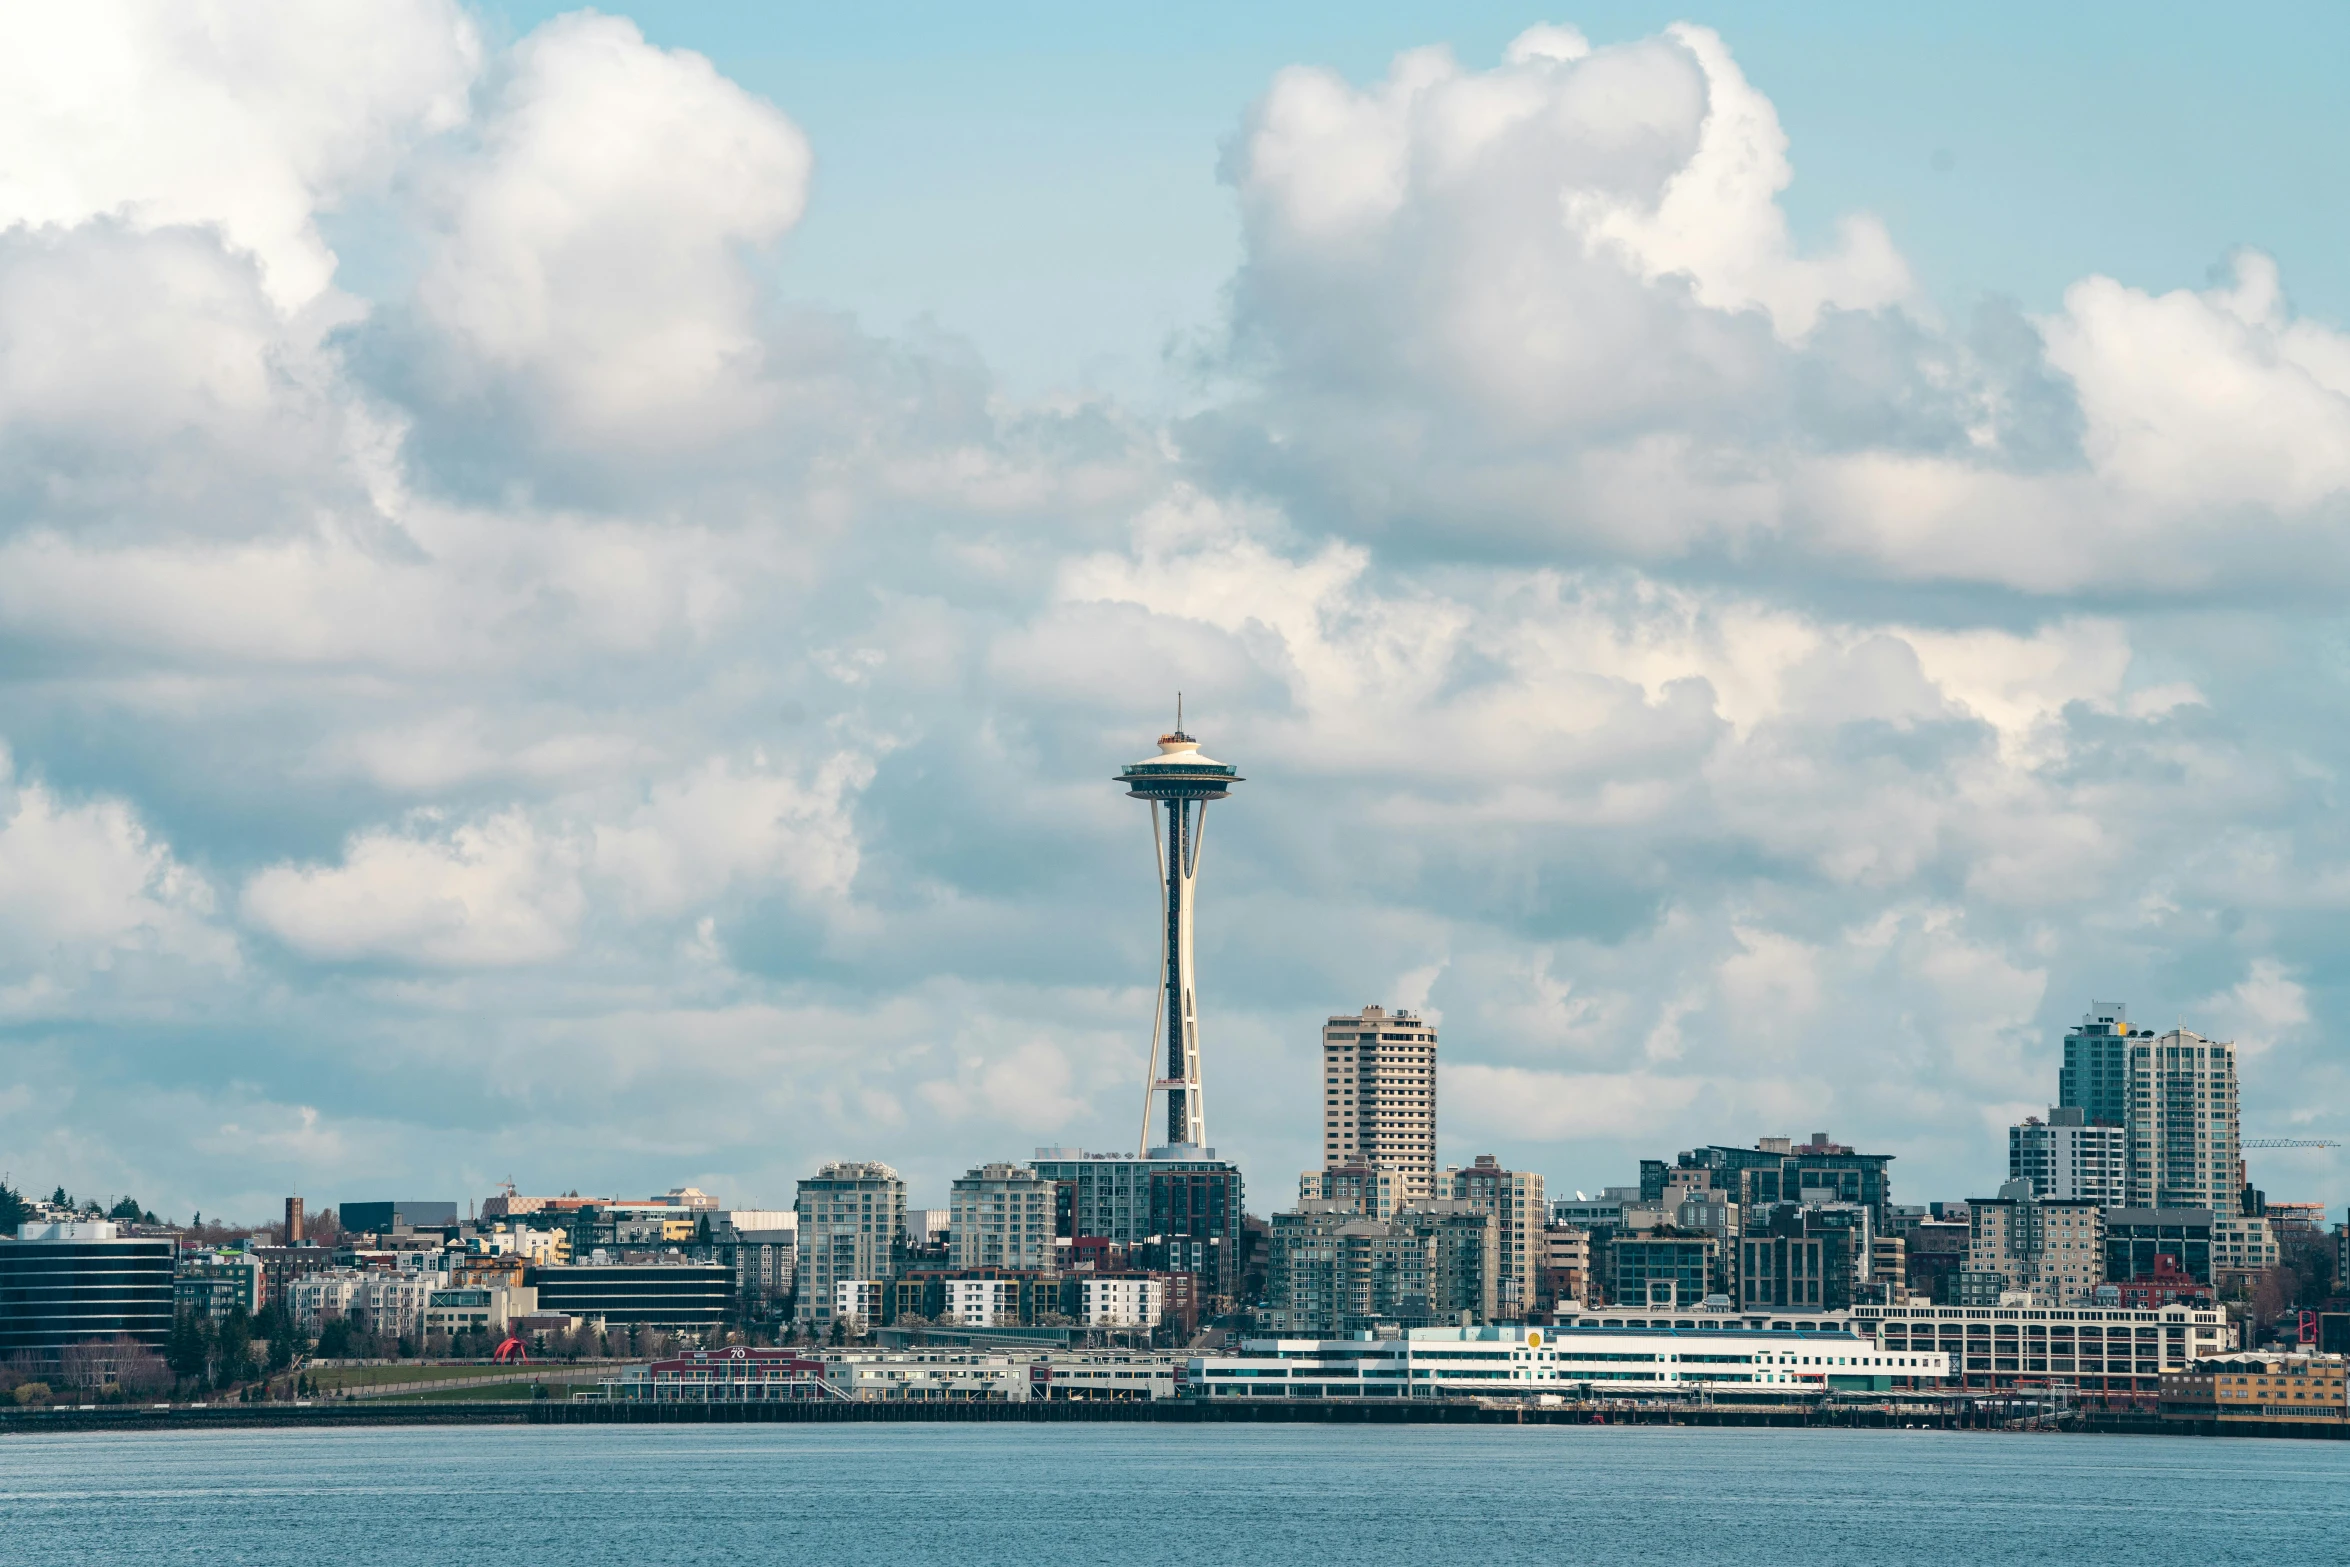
[2259,1385]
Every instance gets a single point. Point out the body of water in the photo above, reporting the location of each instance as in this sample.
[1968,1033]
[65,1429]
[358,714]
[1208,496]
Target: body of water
[1275,1496]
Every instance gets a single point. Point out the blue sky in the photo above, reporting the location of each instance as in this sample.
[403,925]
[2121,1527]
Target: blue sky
[2012,148]
[571,584]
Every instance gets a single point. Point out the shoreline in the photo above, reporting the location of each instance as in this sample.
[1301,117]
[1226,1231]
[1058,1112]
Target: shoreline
[371,1415]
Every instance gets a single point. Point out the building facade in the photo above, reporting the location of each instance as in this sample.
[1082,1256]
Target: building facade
[1379,1096]
[2095,1077]
[2184,1143]
[1665,1271]
[393,1302]
[1330,1270]
[210,1285]
[1566,1268]
[1780,1170]
[1121,1301]
[1674,1361]
[2070,1156]
[1001,1216]
[1366,1189]
[2262,1386]
[1177,1211]
[2135,1237]
[1514,1198]
[67,1283]
[695,1296]
[2116,1355]
[851,1225]
[2241,1249]
[315,1299]
[479,1308]
[377,1218]
[2053,1248]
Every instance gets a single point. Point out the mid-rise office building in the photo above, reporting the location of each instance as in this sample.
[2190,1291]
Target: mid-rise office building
[763,1248]
[982,1297]
[1514,1198]
[1566,1268]
[1176,1210]
[1002,1217]
[851,1225]
[1780,1170]
[1330,1270]
[321,1296]
[2184,1144]
[377,1218]
[210,1285]
[2052,1247]
[394,1301]
[2135,1237]
[983,1302]
[1121,1301]
[1366,1189]
[857,1303]
[2071,1157]
[281,1265]
[1663,1272]
[2115,1355]
[676,1294]
[73,1281]
[2242,1249]
[1379,1096]
[478,1308]
[1803,1257]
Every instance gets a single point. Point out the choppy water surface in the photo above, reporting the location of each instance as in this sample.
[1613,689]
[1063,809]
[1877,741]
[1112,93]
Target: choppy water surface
[1266,1496]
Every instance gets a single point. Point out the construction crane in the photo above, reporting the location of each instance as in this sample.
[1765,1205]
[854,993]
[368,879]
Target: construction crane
[2290,1142]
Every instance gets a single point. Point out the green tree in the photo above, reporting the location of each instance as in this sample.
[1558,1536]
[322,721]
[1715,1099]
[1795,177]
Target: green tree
[188,1351]
[276,1324]
[14,1210]
[126,1210]
[58,1199]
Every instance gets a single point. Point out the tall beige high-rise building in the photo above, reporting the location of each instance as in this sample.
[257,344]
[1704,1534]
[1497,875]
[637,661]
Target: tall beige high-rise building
[1379,1097]
[2182,1124]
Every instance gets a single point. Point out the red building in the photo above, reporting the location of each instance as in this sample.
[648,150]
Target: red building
[2166,1284]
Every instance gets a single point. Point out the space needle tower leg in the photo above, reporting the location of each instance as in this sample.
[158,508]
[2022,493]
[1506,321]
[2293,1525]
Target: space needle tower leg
[1187,1114]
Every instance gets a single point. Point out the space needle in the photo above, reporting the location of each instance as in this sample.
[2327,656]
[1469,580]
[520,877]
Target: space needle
[1184,781]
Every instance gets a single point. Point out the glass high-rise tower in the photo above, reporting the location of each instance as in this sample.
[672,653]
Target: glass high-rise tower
[2095,1078]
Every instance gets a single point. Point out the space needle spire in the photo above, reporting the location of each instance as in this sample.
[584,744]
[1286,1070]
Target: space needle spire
[1184,781]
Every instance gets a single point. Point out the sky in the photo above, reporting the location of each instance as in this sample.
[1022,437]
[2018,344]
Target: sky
[572,584]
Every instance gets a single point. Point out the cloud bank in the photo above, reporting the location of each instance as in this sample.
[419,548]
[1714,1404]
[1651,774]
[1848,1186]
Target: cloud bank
[570,712]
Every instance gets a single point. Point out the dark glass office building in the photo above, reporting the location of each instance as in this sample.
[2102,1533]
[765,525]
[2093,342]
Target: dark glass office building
[374,1218]
[1175,1211]
[661,1295]
[2134,1237]
[56,1293]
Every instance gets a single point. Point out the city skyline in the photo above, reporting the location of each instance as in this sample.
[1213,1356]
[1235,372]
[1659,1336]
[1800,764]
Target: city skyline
[517,660]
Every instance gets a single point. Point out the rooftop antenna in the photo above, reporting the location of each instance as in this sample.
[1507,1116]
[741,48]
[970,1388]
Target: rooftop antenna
[1179,712]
